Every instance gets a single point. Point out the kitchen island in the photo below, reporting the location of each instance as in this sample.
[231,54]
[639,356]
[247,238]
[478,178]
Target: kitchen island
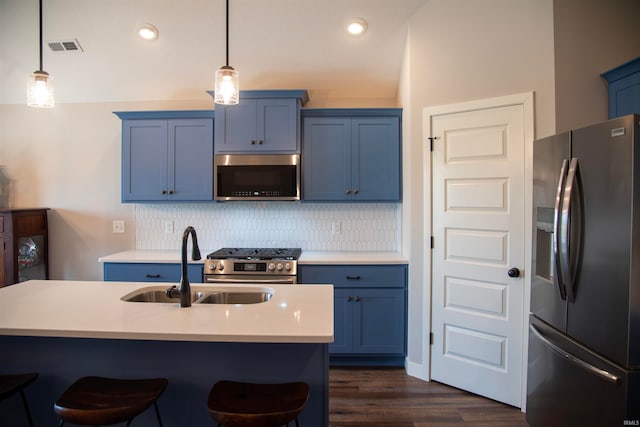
[65,330]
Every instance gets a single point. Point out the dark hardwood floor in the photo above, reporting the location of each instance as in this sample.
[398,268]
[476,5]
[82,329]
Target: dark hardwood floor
[361,397]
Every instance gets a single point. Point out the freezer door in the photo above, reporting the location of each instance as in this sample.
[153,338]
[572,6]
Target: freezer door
[548,299]
[568,385]
[599,316]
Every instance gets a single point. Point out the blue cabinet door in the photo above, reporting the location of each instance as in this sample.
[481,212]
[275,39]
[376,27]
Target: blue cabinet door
[624,89]
[167,159]
[144,160]
[190,161]
[624,96]
[378,320]
[326,159]
[236,127]
[258,125]
[342,324]
[375,159]
[277,125]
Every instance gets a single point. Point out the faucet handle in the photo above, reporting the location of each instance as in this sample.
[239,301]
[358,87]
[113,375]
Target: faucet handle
[172,292]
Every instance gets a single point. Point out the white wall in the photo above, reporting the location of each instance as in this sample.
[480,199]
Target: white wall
[591,37]
[462,50]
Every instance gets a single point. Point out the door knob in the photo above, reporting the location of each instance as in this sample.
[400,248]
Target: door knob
[513,272]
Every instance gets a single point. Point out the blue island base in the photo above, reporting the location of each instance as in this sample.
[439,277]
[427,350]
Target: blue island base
[191,368]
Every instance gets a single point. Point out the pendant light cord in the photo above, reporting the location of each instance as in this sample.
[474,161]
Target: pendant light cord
[226,30]
[41,35]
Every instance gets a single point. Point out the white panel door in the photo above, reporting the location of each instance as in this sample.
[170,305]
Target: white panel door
[478,225]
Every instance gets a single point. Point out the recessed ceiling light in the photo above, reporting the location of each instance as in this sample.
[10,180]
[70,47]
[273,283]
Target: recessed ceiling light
[357,26]
[148,32]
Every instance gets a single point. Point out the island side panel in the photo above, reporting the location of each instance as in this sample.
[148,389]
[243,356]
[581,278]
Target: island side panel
[191,367]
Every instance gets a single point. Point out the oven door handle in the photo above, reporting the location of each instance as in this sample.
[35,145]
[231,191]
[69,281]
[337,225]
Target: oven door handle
[265,281]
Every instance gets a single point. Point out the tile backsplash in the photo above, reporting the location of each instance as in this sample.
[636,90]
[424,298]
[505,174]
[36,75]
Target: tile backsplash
[310,226]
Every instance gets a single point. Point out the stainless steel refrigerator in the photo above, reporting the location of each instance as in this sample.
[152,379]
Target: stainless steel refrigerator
[584,325]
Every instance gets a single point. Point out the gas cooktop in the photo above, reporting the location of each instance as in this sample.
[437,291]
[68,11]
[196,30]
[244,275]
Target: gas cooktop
[256,253]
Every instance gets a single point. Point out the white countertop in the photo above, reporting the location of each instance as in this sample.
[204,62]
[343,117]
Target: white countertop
[51,308]
[307,257]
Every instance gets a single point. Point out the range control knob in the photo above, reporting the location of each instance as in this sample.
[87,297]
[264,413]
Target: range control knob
[271,266]
[221,266]
[212,266]
[280,266]
[287,267]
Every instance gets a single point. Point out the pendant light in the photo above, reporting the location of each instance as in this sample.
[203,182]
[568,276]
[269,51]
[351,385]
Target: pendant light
[40,86]
[227,87]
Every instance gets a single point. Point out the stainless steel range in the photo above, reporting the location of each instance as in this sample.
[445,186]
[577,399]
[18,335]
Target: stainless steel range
[252,265]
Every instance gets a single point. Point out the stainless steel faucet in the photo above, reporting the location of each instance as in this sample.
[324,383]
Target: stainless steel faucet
[185,289]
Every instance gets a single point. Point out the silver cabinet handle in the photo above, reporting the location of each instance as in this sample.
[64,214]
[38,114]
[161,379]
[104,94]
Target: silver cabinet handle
[355,191]
[608,376]
[348,191]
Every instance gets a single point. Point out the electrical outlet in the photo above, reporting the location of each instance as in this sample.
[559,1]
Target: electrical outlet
[336,227]
[118,226]
[168,227]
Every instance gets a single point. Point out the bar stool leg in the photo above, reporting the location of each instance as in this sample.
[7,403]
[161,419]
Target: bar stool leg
[155,406]
[26,407]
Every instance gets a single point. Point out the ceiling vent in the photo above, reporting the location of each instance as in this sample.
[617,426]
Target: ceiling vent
[65,46]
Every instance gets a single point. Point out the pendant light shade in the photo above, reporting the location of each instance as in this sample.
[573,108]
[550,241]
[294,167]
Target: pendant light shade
[227,84]
[40,86]
[40,90]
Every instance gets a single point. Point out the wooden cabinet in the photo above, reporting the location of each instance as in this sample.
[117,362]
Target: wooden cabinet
[352,155]
[167,156]
[263,121]
[624,89]
[24,245]
[369,311]
[150,272]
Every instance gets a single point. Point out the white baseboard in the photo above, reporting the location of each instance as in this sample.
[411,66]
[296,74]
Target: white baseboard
[416,370]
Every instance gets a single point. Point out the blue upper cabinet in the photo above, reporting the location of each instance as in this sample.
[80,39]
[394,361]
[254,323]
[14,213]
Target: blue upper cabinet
[263,121]
[624,89]
[352,155]
[167,156]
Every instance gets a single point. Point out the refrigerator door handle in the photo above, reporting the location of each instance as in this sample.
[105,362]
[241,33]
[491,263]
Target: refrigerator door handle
[570,213]
[556,229]
[605,375]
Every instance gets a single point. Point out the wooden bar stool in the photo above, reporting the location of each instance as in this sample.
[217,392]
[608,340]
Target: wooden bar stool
[15,383]
[237,404]
[100,401]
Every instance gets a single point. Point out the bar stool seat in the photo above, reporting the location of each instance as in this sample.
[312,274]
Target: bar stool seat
[100,401]
[238,404]
[15,383]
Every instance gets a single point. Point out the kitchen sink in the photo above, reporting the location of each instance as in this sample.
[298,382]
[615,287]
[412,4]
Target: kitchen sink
[235,298]
[157,294]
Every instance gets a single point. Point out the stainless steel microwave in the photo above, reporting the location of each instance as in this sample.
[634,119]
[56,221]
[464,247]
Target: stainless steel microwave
[257,176]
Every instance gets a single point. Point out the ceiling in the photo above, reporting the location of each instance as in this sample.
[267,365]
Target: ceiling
[274,44]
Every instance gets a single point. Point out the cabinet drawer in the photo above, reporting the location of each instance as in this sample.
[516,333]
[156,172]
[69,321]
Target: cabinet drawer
[352,276]
[150,272]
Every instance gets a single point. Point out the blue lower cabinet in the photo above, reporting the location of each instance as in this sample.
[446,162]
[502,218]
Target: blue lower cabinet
[370,325]
[150,272]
